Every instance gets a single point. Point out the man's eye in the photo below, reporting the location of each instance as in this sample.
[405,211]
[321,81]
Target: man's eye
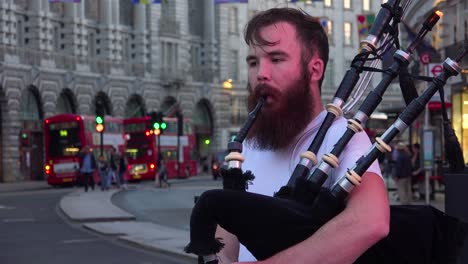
[252,63]
[276,60]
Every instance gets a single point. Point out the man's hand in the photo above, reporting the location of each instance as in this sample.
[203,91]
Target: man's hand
[230,252]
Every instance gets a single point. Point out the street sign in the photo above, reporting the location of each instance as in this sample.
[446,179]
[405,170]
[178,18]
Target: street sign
[435,69]
[425,58]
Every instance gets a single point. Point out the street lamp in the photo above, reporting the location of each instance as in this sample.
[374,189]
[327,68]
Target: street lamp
[227,84]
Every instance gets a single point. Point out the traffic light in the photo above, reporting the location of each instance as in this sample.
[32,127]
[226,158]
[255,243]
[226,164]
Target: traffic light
[99,123]
[157,123]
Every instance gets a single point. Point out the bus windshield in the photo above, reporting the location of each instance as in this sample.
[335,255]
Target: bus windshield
[137,145]
[65,140]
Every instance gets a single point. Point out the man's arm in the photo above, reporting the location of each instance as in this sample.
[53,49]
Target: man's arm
[230,251]
[344,238]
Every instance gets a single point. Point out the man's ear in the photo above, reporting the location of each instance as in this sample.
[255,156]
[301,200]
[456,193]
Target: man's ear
[316,68]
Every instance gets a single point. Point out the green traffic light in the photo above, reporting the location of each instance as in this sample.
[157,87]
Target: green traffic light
[156,125]
[163,125]
[99,120]
[207,141]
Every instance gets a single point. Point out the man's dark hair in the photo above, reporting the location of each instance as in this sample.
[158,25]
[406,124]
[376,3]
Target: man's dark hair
[308,29]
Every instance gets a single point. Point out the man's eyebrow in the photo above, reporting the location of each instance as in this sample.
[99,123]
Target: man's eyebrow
[278,53]
[271,53]
[250,57]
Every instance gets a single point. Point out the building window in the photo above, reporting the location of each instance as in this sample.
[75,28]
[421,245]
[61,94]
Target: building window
[20,33]
[91,45]
[195,54]
[195,18]
[347,33]
[92,9]
[329,80]
[347,4]
[233,20]
[126,49]
[366,5]
[330,30]
[327,3]
[169,55]
[56,41]
[126,13]
[57,8]
[234,65]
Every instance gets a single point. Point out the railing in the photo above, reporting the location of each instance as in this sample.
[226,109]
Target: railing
[32,57]
[173,74]
[203,74]
[169,27]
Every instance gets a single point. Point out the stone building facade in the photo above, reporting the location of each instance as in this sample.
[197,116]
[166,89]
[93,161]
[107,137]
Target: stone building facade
[128,59]
[132,59]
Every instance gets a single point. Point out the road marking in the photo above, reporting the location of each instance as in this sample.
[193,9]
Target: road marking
[6,207]
[19,220]
[74,241]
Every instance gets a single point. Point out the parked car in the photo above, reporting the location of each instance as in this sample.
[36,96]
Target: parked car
[218,162]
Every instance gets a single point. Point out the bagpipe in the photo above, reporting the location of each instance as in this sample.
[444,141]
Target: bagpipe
[267,225]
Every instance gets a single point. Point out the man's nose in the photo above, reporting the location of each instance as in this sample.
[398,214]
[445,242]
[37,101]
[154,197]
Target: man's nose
[264,72]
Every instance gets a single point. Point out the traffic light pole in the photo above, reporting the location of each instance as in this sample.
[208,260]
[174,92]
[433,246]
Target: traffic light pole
[180,126]
[159,151]
[102,143]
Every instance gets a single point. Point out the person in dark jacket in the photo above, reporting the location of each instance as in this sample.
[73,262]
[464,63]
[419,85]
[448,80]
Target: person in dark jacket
[403,172]
[88,165]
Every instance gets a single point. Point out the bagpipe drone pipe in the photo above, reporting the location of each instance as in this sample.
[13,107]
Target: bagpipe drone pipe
[306,188]
[267,225]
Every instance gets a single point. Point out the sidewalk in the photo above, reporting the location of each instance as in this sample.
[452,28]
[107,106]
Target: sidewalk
[96,211]
[24,186]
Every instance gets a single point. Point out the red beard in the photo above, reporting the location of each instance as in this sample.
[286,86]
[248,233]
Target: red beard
[277,125]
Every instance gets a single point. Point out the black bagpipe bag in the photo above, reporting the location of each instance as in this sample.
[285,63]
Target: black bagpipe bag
[267,225]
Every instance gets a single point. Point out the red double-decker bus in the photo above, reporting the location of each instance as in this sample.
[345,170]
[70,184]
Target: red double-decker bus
[66,134]
[142,149]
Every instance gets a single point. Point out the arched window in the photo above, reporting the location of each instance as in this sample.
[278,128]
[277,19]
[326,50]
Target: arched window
[135,107]
[30,108]
[65,103]
[102,102]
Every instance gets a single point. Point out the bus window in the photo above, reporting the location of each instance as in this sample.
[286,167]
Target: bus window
[171,127]
[169,154]
[187,128]
[137,145]
[90,125]
[64,141]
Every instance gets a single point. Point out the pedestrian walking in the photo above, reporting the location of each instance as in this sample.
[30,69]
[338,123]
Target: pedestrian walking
[123,170]
[162,175]
[103,172]
[114,165]
[87,167]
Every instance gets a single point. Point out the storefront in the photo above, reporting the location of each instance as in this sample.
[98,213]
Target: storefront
[460,118]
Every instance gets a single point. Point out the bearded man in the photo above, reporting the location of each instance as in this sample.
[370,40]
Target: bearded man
[288,53]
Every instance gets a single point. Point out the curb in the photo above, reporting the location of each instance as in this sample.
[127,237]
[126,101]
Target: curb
[71,207]
[157,249]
